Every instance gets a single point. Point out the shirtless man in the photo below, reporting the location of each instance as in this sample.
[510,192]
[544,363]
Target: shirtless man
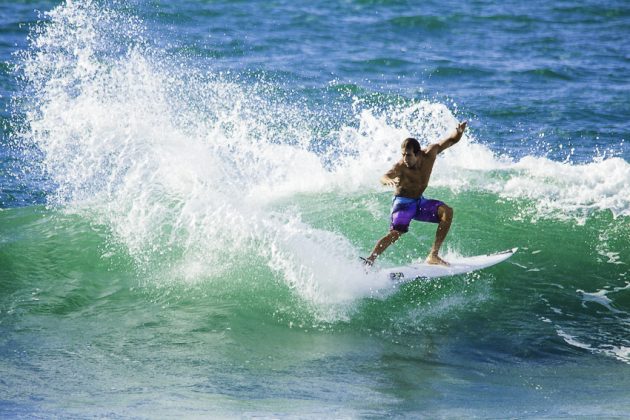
[410,177]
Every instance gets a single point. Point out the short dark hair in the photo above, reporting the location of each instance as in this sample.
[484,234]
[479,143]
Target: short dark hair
[411,143]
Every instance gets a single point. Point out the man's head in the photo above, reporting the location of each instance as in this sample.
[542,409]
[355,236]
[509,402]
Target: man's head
[410,150]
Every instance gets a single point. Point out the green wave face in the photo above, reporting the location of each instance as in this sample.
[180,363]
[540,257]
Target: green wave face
[75,299]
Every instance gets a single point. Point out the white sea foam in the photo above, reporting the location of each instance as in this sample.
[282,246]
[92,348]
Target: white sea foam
[621,353]
[599,297]
[188,165]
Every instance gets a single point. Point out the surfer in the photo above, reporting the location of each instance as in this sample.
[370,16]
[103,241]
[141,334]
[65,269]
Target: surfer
[409,177]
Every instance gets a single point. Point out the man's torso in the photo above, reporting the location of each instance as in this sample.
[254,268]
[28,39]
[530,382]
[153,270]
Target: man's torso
[413,181]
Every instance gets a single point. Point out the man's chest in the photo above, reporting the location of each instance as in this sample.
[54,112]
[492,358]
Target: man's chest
[416,176]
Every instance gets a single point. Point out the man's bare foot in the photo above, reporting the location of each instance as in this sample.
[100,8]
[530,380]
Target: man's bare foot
[434,259]
[367,264]
[367,261]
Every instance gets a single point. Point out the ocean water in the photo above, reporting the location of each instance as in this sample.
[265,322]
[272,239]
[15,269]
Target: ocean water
[187,187]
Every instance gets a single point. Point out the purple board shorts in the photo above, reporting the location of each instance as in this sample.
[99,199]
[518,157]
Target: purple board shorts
[405,209]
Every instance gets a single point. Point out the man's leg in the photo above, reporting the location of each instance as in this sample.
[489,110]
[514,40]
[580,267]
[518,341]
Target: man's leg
[445,214]
[382,245]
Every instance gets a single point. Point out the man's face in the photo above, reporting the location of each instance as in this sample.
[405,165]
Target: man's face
[409,158]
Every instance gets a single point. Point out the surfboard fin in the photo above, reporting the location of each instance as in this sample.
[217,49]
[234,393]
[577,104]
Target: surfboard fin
[396,276]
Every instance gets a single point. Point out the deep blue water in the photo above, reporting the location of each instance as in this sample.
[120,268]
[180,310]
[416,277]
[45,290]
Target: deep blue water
[186,187]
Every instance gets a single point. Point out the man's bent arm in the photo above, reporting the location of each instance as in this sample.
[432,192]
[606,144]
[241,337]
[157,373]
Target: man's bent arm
[391,177]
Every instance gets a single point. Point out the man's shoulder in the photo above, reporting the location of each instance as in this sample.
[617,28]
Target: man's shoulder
[397,166]
[431,150]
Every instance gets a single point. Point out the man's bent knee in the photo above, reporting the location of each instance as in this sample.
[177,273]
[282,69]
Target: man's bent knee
[395,234]
[445,213]
[397,230]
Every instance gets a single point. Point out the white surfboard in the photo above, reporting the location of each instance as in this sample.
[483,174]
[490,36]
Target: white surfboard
[457,266]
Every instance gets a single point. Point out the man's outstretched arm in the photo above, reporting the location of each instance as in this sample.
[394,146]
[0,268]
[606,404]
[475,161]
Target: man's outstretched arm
[453,138]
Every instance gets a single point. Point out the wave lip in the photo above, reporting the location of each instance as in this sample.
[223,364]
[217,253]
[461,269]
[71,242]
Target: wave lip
[576,190]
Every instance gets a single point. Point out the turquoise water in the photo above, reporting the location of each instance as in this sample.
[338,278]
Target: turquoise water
[186,187]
